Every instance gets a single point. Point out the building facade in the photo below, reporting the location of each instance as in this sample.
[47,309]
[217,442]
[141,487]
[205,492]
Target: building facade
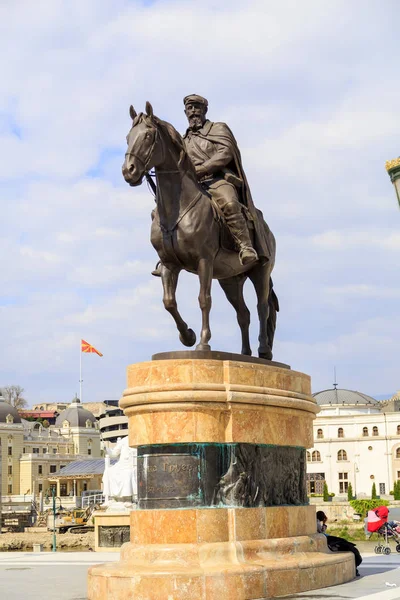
[113,423]
[32,454]
[357,441]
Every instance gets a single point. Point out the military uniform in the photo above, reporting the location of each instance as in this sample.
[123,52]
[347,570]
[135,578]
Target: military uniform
[212,150]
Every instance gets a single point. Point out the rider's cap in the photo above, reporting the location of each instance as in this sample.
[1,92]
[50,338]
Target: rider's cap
[195,98]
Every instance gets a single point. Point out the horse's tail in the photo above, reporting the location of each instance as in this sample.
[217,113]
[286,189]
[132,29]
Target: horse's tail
[273,305]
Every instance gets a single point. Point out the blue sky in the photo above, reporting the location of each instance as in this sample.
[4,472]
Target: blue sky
[311,93]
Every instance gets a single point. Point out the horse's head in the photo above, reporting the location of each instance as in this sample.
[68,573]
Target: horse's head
[144,146]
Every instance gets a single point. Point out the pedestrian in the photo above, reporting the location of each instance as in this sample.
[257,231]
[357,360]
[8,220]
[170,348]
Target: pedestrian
[337,544]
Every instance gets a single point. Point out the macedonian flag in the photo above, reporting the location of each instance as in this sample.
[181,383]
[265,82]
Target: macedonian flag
[85,347]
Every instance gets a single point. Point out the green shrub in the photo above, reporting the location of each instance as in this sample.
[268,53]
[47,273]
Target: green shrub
[326,493]
[363,506]
[396,490]
[350,492]
[373,492]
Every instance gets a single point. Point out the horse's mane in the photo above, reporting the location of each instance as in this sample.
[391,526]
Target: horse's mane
[177,141]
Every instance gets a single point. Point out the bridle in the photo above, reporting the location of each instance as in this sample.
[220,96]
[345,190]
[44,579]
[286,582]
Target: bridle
[146,161]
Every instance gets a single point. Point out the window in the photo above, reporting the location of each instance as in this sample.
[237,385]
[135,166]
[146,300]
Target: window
[63,489]
[23,450]
[44,450]
[35,450]
[53,468]
[10,469]
[89,424]
[342,455]
[365,431]
[9,450]
[316,456]
[308,456]
[40,470]
[54,450]
[340,432]
[65,424]
[375,431]
[89,451]
[9,419]
[343,483]
[398,429]
[40,487]
[10,488]
[398,453]
[320,434]
[382,489]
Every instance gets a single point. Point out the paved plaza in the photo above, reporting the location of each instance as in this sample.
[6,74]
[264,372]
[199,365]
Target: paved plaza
[62,576]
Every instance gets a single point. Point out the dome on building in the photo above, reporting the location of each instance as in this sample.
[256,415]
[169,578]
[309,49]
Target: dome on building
[75,416]
[344,397]
[8,413]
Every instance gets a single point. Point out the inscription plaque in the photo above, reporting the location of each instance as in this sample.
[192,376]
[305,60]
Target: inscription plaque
[168,480]
[235,475]
[113,536]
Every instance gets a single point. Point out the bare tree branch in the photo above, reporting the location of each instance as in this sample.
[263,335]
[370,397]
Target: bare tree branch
[13,394]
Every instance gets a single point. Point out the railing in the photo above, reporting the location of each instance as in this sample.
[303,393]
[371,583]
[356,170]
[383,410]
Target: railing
[92,499]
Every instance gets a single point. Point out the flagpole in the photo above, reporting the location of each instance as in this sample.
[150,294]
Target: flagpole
[80,371]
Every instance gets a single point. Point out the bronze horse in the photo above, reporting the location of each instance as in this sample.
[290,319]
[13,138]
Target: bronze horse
[186,234]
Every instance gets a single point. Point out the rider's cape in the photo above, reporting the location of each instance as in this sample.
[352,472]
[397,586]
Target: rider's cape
[219,133]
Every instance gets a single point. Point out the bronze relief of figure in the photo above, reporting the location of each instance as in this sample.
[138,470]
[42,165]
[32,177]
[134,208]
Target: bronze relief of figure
[205,221]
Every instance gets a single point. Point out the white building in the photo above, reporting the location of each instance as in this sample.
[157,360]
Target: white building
[357,441]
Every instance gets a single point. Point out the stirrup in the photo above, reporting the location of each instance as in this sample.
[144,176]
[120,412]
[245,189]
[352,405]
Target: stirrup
[245,260]
[157,270]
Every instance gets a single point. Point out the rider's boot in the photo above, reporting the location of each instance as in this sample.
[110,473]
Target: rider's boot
[238,228]
[157,270]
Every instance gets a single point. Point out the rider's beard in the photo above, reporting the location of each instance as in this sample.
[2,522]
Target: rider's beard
[195,122]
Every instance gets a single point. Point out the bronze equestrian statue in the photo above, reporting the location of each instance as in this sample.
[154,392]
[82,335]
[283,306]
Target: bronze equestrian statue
[205,221]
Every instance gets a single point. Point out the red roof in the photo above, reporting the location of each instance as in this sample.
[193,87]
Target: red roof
[42,414]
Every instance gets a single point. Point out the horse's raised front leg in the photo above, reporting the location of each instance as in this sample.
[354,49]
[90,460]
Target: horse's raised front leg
[170,281]
[205,272]
[259,275]
[233,288]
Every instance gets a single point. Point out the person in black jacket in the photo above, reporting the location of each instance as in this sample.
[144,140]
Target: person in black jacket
[337,544]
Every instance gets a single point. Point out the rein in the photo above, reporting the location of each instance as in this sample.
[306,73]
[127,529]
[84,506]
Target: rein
[171,229]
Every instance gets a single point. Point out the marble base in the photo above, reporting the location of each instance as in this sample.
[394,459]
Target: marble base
[208,554]
[114,522]
[222,553]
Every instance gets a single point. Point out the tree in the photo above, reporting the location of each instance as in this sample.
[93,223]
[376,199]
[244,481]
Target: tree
[13,395]
[326,493]
[373,492]
[350,492]
[396,490]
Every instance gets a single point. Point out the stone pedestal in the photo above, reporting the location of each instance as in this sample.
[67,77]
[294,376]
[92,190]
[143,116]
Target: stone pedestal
[111,530]
[222,504]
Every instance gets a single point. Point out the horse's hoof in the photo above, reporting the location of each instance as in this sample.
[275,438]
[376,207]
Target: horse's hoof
[246,351]
[203,348]
[189,339]
[266,355]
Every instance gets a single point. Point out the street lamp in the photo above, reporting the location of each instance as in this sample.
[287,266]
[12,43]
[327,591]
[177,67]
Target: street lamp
[54,497]
[393,169]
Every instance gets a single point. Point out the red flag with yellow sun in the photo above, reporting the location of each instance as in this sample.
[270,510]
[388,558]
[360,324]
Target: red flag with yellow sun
[88,348]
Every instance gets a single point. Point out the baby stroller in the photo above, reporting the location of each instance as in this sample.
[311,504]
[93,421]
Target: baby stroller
[377,522]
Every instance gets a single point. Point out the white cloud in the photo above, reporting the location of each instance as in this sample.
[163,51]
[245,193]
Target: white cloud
[309,93]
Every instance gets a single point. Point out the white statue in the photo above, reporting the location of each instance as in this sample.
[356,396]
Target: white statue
[120,480]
